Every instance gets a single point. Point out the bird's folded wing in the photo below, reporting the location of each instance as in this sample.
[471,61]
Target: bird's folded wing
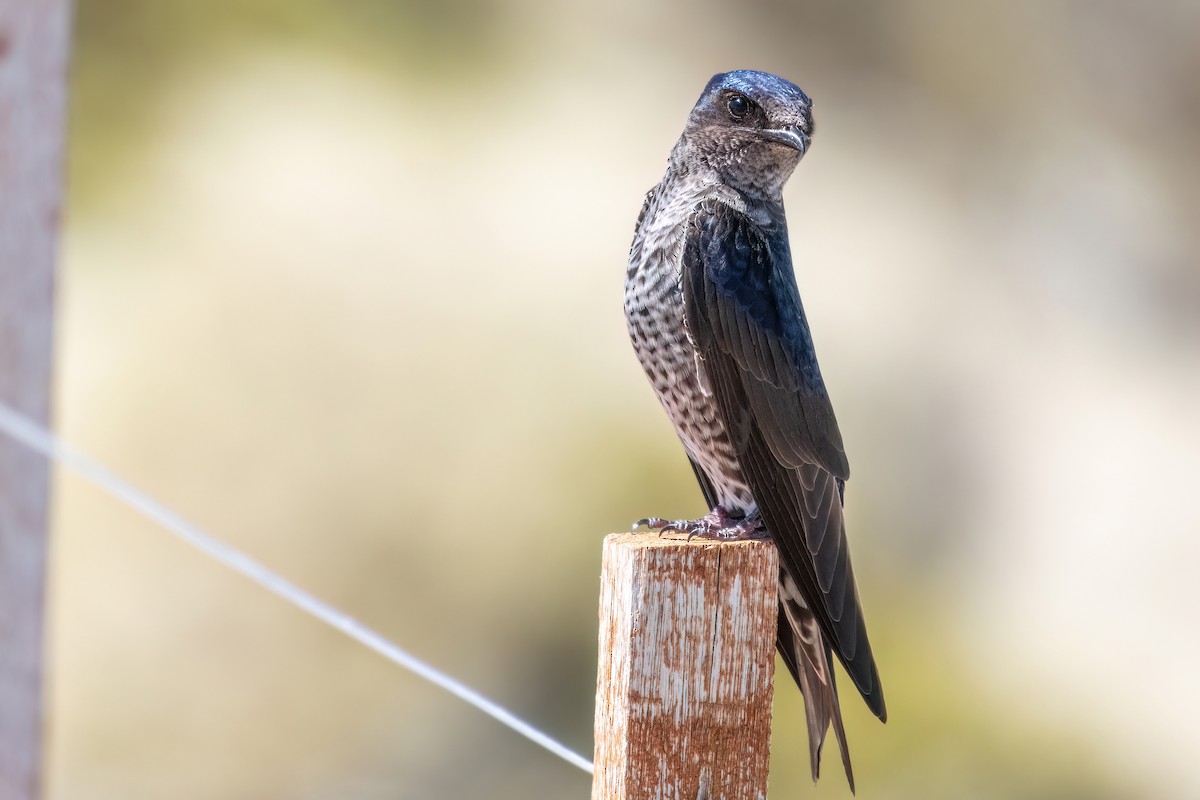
[741,297]
[743,313]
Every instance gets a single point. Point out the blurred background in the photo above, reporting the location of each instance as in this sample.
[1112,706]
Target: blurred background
[342,283]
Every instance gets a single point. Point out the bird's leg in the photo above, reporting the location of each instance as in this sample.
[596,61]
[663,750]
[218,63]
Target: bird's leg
[717,524]
[750,526]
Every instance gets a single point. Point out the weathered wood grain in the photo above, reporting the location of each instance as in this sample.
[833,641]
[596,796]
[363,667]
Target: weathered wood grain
[687,661]
[34,36]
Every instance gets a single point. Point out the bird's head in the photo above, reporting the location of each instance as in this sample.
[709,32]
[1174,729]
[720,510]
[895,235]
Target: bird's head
[751,128]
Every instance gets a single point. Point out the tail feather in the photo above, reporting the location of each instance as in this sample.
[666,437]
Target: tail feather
[809,659]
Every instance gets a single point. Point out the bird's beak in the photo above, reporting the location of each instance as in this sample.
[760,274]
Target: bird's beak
[792,136]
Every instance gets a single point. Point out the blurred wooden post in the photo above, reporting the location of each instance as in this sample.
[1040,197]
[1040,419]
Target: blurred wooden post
[34,37]
[687,659]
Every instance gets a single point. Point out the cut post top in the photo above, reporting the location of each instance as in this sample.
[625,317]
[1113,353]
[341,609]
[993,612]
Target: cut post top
[652,539]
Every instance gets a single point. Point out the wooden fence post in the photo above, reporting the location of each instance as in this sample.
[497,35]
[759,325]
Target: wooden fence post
[34,38]
[687,660]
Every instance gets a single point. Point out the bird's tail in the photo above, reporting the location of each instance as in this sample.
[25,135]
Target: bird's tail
[808,657]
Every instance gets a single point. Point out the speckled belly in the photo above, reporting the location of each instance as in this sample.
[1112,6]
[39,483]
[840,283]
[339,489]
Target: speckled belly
[654,315]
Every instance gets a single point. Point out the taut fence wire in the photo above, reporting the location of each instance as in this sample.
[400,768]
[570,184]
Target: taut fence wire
[37,438]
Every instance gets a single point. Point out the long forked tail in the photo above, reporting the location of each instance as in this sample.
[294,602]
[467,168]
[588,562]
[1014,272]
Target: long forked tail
[808,658]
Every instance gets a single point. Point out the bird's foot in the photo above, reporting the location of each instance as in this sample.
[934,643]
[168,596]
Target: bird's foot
[750,526]
[717,524]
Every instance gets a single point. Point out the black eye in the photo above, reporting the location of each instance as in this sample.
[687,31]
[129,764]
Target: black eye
[738,106]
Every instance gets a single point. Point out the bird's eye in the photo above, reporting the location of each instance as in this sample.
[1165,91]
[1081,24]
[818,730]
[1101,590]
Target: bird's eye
[738,106]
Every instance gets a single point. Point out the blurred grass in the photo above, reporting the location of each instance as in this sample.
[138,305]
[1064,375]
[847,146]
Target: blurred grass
[342,284]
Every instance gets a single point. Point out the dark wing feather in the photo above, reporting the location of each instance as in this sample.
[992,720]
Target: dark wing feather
[743,312]
[706,485]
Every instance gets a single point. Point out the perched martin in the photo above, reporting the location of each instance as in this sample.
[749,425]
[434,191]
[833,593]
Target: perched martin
[715,317]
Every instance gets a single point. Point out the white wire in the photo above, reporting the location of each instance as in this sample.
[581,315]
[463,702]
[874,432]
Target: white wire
[38,438]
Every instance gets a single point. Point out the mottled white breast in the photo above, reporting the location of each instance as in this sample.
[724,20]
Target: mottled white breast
[655,318]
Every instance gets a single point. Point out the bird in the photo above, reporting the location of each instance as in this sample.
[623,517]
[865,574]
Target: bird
[714,314]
